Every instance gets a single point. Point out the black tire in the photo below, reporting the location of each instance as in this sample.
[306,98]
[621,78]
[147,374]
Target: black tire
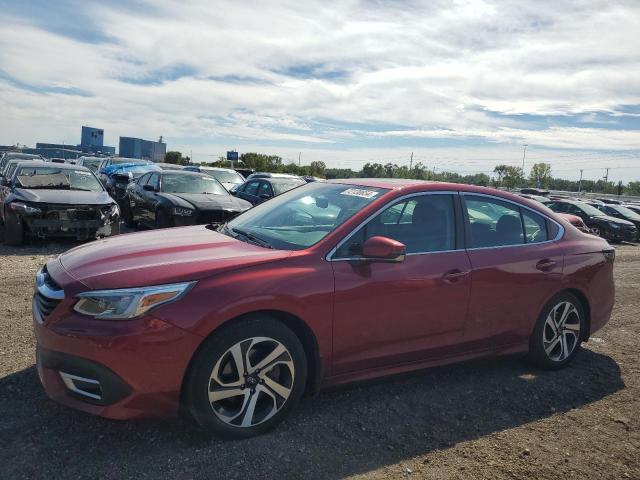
[127,214]
[162,219]
[13,230]
[547,348]
[270,408]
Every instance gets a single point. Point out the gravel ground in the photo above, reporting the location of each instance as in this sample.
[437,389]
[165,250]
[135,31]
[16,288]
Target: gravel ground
[496,418]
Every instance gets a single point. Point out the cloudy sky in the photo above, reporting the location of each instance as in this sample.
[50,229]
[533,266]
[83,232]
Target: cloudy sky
[462,84]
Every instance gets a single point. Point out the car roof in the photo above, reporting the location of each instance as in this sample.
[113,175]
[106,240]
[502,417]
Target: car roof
[179,172]
[60,166]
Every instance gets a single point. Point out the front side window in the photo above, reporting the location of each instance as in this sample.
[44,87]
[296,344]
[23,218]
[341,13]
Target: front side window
[299,218]
[493,223]
[252,188]
[424,224]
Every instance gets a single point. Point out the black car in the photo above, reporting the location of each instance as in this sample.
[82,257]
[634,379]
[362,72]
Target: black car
[621,212]
[610,228]
[171,198]
[633,207]
[257,190]
[44,200]
[118,180]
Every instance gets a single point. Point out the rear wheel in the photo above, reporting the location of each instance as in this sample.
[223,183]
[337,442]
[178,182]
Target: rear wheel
[13,230]
[558,332]
[247,378]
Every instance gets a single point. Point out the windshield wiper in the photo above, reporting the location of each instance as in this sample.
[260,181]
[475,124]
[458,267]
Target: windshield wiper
[252,238]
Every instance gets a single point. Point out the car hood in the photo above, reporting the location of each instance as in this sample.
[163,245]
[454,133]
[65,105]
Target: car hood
[161,256]
[71,197]
[207,201]
[607,218]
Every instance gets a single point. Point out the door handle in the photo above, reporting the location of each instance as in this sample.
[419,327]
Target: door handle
[545,265]
[453,276]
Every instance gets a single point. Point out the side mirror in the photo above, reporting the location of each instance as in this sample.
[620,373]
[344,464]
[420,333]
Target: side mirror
[384,249]
[149,188]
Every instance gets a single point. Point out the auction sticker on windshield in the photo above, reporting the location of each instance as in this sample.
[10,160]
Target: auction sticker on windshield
[359,192]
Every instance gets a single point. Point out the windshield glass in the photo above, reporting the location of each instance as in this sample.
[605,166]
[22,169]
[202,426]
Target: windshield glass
[224,176]
[627,212]
[589,210]
[304,216]
[92,164]
[115,161]
[135,171]
[176,183]
[57,178]
[281,186]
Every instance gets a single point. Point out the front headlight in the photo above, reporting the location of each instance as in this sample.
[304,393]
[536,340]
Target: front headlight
[182,212]
[123,304]
[21,207]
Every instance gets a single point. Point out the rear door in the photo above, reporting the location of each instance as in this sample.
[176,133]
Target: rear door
[516,267]
[150,200]
[250,192]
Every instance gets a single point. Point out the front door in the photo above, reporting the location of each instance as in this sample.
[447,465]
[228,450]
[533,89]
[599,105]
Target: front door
[394,313]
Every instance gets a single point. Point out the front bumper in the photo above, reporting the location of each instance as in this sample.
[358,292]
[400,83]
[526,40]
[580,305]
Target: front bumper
[115,369]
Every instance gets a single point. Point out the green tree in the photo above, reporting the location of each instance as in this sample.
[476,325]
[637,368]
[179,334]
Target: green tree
[540,175]
[176,158]
[509,176]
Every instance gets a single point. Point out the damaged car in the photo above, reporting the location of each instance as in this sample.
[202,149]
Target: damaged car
[43,200]
[175,198]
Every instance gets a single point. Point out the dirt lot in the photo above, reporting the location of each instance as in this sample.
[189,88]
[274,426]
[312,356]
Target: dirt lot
[496,418]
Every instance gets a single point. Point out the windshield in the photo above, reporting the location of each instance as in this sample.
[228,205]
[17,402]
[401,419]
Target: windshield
[92,164]
[589,210]
[135,171]
[115,161]
[627,212]
[225,176]
[57,178]
[177,183]
[304,216]
[281,186]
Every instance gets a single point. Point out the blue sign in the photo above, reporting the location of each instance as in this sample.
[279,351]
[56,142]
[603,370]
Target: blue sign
[232,156]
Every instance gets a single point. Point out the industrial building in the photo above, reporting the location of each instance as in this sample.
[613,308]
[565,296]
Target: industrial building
[145,149]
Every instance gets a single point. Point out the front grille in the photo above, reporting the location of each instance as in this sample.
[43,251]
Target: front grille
[215,216]
[45,305]
[48,294]
[72,213]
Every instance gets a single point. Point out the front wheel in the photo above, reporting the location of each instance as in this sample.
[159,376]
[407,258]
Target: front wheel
[162,219]
[558,332]
[247,378]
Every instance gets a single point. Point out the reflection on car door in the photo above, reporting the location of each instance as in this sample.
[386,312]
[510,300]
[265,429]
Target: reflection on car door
[388,313]
[150,200]
[516,268]
[136,198]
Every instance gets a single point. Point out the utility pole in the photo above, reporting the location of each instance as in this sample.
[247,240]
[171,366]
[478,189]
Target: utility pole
[606,177]
[191,157]
[411,161]
[524,154]
[580,182]
[299,155]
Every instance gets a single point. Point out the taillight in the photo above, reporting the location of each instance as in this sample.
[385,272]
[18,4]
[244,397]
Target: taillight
[609,255]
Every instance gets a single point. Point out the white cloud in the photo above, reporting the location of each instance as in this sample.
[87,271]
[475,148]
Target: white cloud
[401,71]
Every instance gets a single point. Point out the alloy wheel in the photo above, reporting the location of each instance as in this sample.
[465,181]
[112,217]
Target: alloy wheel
[251,382]
[561,332]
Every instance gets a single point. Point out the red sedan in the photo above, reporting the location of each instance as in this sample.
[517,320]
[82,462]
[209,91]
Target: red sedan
[329,283]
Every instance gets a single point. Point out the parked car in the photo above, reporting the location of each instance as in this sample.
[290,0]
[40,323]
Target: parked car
[233,325]
[610,201]
[537,198]
[120,175]
[245,172]
[175,198]
[230,179]
[16,156]
[623,213]
[55,200]
[633,207]
[92,163]
[259,189]
[610,228]
[169,166]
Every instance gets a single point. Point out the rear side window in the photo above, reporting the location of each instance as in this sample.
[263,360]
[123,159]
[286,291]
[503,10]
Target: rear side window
[252,188]
[535,227]
[493,223]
